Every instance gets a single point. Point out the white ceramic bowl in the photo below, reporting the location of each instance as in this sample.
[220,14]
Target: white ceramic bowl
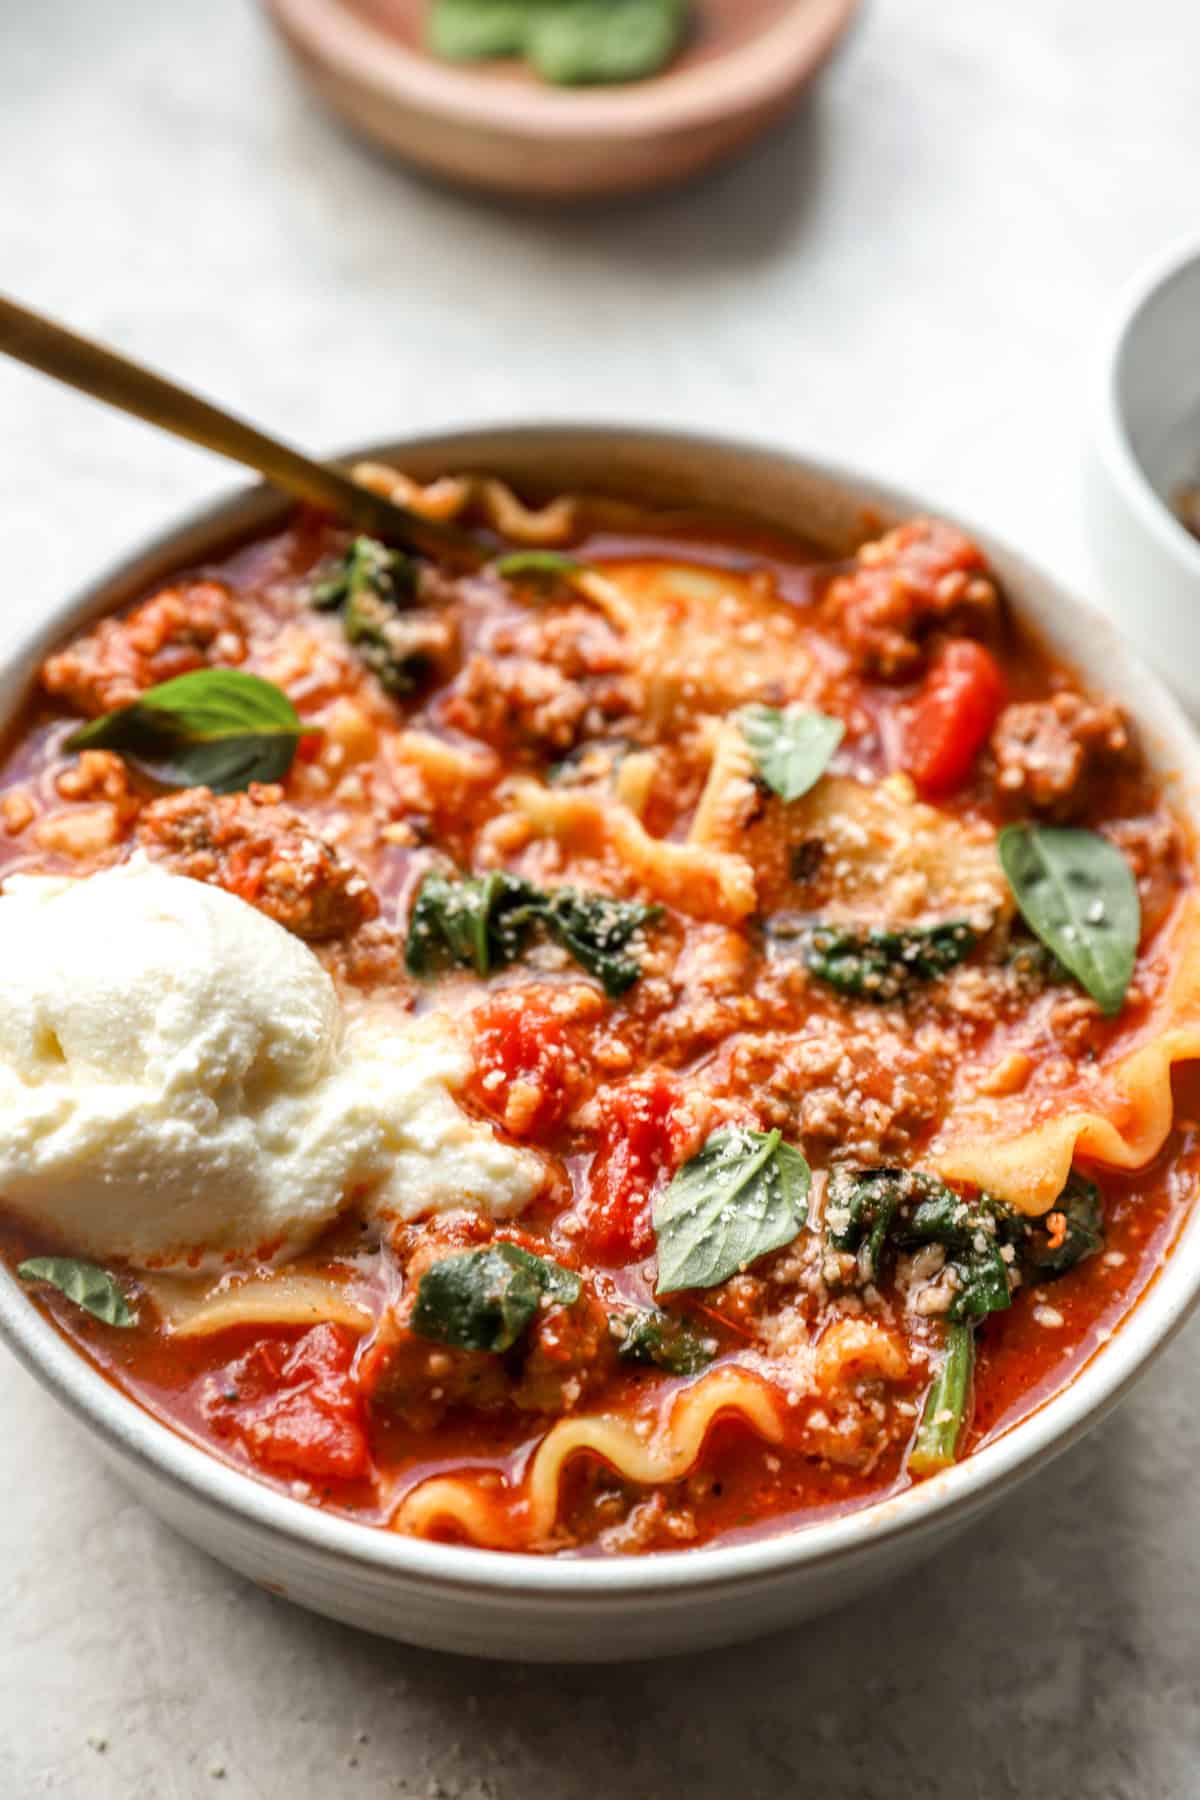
[1146,446]
[589,1609]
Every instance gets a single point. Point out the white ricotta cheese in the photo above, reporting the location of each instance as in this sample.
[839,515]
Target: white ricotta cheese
[178,1084]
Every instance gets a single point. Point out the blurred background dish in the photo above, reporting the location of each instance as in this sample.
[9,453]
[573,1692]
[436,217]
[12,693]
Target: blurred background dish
[1144,490]
[495,125]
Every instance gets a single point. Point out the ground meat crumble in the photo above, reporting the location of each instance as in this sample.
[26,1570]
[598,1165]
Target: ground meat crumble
[192,626]
[255,847]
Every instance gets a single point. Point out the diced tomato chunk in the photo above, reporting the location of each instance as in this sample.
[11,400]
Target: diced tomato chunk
[951,718]
[295,1406]
[526,1069]
[640,1143]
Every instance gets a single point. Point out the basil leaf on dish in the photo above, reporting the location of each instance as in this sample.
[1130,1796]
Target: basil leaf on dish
[89,1286]
[791,748]
[568,42]
[586,41]
[744,1194]
[485,922]
[1076,893]
[661,1341]
[537,565]
[215,728]
[485,1299]
[478,30]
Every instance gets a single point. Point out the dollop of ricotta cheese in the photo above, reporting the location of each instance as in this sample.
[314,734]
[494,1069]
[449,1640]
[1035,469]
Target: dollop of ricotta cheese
[180,1085]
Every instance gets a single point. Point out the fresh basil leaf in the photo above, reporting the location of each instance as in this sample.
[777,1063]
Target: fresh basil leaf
[485,922]
[745,1194]
[877,964]
[215,728]
[485,1299]
[582,41]
[663,1342]
[89,1286]
[1077,894]
[567,41]
[537,565]
[477,30]
[792,748]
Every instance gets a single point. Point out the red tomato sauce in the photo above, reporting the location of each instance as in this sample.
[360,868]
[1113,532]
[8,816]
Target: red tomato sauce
[617,1093]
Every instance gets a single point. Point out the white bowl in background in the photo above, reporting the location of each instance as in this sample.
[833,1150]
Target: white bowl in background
[1146,447]
[567,1609]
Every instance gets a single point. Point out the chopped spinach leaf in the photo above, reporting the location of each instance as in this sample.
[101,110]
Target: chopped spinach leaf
[947,1403]
[873,1211]
[486,1299]
[660,1339]
[368,567]
[373,587]
[1070,1230]
[744,1194]
[876,964]
[485,922]
[89,1286]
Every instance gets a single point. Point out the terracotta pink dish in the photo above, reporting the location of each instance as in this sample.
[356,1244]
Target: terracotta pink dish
[498,127]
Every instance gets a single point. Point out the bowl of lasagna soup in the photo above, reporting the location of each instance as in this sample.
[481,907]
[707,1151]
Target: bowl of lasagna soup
[612,1087]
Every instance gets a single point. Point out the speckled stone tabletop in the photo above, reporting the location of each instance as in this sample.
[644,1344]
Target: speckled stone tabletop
[910,275]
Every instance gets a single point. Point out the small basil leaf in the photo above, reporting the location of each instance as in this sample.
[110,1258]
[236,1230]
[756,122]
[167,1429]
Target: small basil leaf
[485,1299]
[745,1194]
[477,30]
[792,748]
[215,728]
[1077,894]
[581,41]
[537,565]
[663,1342]
[87,1285]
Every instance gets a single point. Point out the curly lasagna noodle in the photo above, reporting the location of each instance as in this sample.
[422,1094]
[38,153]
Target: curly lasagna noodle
[635,1036]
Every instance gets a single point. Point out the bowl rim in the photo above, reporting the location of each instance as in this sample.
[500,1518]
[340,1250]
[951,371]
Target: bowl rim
[963,1490]
[1180,259]
[751,75]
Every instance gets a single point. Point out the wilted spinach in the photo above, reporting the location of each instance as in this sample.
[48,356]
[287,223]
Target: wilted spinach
[486,1299]
[485,922]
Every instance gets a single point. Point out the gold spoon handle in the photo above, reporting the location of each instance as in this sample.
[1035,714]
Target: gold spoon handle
[107,376]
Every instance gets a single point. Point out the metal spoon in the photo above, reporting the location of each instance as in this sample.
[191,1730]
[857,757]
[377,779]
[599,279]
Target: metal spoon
[105,375]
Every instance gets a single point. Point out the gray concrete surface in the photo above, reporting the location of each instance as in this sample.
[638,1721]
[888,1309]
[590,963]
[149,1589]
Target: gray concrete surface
[909,275]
